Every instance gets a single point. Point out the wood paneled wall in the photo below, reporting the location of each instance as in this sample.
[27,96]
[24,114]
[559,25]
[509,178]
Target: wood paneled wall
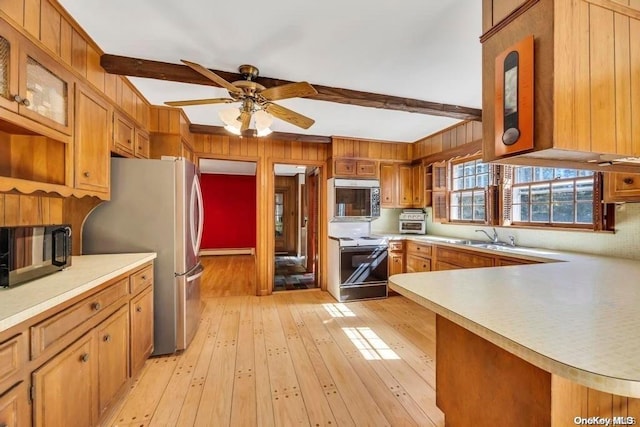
[54,30]
[267,152]
[452,137]
[375,150]
[253,148]
[572,400]
[18,209]
[597,83]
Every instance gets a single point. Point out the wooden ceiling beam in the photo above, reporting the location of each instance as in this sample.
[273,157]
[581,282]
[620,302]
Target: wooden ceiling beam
[251,133]
[136,67]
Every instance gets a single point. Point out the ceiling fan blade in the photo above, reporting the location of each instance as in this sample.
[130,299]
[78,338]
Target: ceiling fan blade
[245,118]
[200,102]
[290,116]
[291,90]
[212,76]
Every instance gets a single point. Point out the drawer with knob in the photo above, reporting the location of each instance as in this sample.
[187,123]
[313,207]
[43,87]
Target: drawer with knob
[141,279]
[48,332]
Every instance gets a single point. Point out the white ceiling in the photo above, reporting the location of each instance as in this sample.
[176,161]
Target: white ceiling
[427,50]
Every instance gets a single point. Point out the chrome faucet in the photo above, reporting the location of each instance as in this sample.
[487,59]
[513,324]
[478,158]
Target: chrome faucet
[493,238]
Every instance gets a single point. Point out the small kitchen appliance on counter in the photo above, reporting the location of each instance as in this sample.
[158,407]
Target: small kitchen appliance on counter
[412,221]
[30,252]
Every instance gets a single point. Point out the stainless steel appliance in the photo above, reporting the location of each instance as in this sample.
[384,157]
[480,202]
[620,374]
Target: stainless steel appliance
[361,271]
[412,221]
[156,205]
[353,199]
[28,253]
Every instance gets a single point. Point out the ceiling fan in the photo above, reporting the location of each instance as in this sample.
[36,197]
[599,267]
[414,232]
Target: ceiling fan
[255,99]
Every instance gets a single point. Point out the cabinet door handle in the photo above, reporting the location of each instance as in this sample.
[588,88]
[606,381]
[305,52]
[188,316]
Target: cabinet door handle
[106,338]
[139,309]
[84,358]
[96,306]
[86,174]
[21,100]
[128,142]
[628,180]
[144,277]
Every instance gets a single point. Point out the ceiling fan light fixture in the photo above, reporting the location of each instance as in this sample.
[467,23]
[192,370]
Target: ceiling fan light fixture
[230,117]
[262,120]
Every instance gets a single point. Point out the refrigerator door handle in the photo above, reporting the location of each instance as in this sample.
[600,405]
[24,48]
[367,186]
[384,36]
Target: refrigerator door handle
[195,276]
[196,227]
[200,213]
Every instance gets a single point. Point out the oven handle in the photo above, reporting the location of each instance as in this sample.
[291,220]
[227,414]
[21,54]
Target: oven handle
[362,248]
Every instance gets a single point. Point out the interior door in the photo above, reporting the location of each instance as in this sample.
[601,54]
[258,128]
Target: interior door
[312,224]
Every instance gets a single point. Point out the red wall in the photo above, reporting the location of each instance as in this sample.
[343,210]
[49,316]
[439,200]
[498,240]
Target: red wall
[229,211]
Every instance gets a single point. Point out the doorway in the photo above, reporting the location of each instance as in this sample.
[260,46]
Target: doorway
[296,227]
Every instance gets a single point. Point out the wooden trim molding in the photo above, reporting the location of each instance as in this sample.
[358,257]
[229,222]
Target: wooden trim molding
[617,7]
[251,133]
[137,67]
[469,149]
[507,20]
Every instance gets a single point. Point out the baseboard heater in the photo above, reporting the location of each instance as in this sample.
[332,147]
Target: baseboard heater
[228,251]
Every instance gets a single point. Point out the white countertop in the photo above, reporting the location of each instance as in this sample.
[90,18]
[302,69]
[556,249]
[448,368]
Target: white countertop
[579,319]
[24,301]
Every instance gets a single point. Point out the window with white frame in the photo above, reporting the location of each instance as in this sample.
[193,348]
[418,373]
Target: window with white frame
[468,191]
[551,196]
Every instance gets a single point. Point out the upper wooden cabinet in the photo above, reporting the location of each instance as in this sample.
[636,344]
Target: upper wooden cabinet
[622,187]
[418,182]
[141,144]
[123,135]
[586,79]
[396,185]
[352,168]
[91,136]
[33,84]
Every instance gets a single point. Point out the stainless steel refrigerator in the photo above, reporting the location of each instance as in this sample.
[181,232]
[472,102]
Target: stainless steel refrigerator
[156,206]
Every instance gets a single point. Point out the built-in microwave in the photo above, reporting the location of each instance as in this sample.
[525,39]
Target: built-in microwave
[28,253]
[353,199]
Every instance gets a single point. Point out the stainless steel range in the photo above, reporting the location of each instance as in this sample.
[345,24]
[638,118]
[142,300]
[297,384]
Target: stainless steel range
[357,267]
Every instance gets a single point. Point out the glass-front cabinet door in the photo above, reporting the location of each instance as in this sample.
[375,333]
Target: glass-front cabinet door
[8,67]
[45,89]
[32,83]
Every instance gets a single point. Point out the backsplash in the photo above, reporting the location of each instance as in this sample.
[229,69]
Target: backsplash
[388,221]
[624,243]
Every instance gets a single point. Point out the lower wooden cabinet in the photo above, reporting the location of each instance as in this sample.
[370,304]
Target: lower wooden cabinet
[113,363]
[84,354]
[65,388]
[141,314]
[418,257]
[14,407]
[417,264]
[396,257]
[450,258]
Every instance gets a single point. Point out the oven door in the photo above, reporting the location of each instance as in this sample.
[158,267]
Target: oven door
[363,265]
[412,227]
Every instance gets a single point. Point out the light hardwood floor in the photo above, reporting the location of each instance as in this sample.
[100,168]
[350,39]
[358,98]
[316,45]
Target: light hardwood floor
[294,358]
[228,275]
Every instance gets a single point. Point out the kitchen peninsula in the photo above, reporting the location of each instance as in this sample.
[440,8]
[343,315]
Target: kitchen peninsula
[564,334]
